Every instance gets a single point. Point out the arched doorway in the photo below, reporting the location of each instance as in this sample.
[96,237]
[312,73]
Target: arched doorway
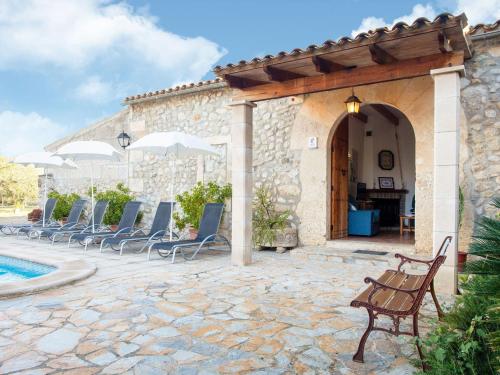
[373,176]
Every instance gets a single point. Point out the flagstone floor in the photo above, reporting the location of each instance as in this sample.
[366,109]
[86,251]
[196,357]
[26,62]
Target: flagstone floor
[277,316]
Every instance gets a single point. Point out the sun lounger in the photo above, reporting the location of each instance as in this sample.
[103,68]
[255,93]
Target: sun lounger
[56,234]
[50,205]
[207,235]
[158,230]
[72,221]
[125,226]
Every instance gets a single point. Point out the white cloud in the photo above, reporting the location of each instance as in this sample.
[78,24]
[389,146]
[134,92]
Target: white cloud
[100,35]
[480,11]
[26,132]
[418,11]
[94,89]
[477,11]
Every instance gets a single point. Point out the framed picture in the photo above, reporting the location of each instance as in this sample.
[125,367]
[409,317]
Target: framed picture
[386,160]
[386,183]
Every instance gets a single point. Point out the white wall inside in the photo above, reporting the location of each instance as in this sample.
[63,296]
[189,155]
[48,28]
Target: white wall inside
[367,149]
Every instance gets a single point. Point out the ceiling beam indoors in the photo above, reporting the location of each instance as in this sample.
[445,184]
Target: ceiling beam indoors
[380,55]
[388,115]
[360,116]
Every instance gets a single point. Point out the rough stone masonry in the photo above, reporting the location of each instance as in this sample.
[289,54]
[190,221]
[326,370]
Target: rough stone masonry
[203,110]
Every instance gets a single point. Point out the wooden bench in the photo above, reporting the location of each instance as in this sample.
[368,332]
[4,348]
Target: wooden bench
[398,295]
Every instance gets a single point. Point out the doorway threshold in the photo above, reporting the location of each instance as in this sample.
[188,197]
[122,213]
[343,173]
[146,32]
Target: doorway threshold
[352,244]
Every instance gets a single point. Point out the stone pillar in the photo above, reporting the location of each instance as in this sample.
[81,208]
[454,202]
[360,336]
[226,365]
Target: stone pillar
[241,144]
[446,170]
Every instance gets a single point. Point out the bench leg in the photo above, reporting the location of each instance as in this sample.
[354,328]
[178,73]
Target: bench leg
[434,298]
[419,348]
[358,357]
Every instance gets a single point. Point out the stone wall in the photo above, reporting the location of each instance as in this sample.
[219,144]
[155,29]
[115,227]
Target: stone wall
[204,113]
[480,152]
[298,176]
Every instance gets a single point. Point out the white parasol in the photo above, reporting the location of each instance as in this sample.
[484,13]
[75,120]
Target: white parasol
[181,145]
[89,151]
[44,160]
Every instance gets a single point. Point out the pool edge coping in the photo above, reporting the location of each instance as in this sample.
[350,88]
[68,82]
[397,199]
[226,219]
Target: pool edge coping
[66,272]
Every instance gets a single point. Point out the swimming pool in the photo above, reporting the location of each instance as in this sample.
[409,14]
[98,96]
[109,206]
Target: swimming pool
[14,269]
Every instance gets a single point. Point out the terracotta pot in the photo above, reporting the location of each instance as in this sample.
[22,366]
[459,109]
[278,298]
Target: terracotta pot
[193,232]
[462,258]
[114,227]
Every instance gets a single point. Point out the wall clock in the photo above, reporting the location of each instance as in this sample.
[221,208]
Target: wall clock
[386,160]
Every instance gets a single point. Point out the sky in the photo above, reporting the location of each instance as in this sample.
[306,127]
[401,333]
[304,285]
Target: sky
[65,64]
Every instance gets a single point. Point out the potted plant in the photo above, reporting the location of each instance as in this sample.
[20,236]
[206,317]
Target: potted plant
[63,206]
[117,198]
[193,201]
[270,227]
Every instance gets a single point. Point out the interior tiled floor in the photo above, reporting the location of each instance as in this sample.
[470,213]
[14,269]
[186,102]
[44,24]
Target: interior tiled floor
[276,316]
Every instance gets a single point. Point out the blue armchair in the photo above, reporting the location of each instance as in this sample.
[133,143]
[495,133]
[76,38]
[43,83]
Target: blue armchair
[363,222]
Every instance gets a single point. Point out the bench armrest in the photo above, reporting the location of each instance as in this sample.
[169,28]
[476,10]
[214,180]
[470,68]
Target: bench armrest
[377,285]
[405,259]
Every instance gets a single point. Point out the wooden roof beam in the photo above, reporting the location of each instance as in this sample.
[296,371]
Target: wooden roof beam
[326,66]
[280,75]
[389,116]
[381,56]
[366,75]
[444,43]
[241,82]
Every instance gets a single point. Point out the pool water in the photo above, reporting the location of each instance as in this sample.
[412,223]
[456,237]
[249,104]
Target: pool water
[14,269]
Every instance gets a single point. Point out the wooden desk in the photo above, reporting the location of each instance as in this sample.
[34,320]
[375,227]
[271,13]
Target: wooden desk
[409,228]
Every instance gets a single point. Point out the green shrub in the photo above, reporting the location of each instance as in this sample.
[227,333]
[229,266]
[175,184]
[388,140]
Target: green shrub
[467,341]
[63,205]
[193,201]
[266,220]
[117,199]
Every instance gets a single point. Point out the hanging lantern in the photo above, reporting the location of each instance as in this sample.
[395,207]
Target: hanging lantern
[352,104]
[123,139]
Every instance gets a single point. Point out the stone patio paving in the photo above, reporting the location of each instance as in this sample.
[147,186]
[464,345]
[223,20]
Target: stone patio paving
[277,316]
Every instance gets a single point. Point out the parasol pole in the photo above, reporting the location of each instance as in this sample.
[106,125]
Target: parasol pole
[92,196]
[44,196]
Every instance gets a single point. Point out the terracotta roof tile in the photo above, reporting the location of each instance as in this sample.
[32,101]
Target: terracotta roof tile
[331,44]
[191,85]
[484,28]
[327,44]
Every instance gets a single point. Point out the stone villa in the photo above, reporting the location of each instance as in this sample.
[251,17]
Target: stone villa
[429,123]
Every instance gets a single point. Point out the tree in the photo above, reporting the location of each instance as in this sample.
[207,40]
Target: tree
[18,184]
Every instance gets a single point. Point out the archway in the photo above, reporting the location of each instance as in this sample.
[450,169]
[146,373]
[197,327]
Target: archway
[373,176]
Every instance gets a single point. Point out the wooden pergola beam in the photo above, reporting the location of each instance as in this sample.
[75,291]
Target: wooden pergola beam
[410,68]
[326,66]
[444,43]
[241,82]
[380,55]
[280,75]
[389,116]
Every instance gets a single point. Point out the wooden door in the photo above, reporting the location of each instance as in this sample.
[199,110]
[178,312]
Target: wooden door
[340,182]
